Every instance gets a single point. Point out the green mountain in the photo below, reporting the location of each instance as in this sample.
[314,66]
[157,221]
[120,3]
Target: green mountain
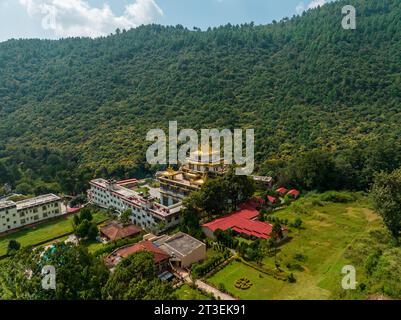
[79,107]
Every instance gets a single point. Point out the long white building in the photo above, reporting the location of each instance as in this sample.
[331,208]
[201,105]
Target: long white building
[18,214]
[147,212]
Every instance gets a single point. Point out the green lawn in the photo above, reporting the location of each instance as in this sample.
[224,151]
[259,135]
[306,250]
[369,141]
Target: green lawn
[42,232]
[185,292]
[328,231]
[93,245]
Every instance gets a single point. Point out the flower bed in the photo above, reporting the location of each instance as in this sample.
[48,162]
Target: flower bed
[243,284]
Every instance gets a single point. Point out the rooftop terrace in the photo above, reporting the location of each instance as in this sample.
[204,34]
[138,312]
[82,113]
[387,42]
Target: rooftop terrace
[6,204]
[41,200]
[180,244]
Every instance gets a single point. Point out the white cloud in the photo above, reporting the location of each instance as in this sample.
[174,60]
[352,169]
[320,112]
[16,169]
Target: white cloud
[313,4]
[70,18]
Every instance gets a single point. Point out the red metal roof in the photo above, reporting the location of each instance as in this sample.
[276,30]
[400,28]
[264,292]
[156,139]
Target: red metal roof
[73,210]
[281,190]
[294,192]
[242,222]
[271,199]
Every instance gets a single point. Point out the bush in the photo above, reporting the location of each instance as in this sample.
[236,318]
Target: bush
[13,247]
[291,278]
[297,223]
[300,257]
[337,197]
[111,246]
[387,273]
[371,261]
[200,269]
[294,266]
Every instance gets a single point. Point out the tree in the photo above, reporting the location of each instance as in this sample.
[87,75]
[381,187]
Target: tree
[84,227]
[13,247]
[78,200]
[135,279]
[213,197]
[386,197]
[85,214]
[276,235]
[79,275]
[297,223]
[125,216]
[277,231]
[312,170]
[238,189]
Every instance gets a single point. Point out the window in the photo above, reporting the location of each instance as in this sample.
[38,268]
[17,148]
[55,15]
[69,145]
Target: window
[36,218]
[22,214]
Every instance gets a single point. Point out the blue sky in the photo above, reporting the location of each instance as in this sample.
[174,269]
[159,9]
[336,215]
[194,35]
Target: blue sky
[62,18]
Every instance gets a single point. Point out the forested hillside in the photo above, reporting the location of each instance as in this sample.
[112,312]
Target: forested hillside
[75,108]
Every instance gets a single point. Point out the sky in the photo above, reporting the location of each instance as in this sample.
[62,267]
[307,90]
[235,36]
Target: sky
[54,19]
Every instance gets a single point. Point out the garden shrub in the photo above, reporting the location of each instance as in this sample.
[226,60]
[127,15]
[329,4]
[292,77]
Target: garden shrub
[337,197]
[291,278]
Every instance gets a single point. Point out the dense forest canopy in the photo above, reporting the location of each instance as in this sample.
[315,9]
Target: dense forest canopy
[75,108]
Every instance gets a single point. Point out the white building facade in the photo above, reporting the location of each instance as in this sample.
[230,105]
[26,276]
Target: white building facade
[14,215]
[146,211]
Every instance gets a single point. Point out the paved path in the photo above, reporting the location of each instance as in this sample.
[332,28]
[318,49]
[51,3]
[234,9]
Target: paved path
[217,293]
[204,286]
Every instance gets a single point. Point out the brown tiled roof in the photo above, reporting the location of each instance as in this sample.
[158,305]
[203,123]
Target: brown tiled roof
[116,256]
[115,231]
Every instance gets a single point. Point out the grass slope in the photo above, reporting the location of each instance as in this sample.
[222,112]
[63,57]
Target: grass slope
[329,231]
[185,292]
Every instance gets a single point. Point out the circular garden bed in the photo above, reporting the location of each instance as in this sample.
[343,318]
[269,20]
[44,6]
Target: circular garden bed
[243,284]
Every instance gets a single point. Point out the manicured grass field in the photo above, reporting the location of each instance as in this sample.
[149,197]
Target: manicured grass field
[185,292]
[328,231]
[42,232]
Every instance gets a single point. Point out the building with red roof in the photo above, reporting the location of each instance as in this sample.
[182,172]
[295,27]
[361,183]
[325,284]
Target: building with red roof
[161,258]
[243,222]
[295,193]
[271,199]
[281,191]
[73,210]
[115,231]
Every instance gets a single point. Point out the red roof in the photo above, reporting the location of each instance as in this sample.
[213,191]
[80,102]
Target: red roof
[73,210]
[271,199]
[159,255]
[242,222]
[281,190]
[294,192]
[115,231]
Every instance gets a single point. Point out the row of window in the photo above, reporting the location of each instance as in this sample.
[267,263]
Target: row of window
[139,216]
[30,219]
